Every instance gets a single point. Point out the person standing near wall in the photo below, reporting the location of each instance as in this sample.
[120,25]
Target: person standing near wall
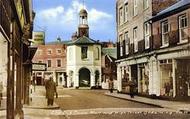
[111,85]
[51,90]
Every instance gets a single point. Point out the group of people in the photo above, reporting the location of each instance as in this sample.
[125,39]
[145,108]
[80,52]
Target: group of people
[51,91]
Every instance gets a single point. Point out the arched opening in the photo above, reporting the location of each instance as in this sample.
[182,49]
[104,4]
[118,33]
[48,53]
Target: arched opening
[84,77]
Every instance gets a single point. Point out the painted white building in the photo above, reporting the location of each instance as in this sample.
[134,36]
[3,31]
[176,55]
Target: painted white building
[83,57]
[3,60]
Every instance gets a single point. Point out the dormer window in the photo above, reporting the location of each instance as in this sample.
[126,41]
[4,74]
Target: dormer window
[84,51]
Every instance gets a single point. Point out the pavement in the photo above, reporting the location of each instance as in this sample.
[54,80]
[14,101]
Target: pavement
[38,108]
[37,104]
[178,106]
[38,100]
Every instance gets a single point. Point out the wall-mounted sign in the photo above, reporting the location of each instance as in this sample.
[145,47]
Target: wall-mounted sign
[38,38]
[39,67]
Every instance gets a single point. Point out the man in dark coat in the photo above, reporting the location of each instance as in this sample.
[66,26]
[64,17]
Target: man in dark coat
[50,91]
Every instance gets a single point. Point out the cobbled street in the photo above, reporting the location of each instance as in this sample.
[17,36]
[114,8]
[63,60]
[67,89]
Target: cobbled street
[94,104]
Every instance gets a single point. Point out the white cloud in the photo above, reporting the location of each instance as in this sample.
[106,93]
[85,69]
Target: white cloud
[52,13]
[96,16]
[68,19]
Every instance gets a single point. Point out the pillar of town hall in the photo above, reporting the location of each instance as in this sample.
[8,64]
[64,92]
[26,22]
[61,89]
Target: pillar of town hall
[76,80]
[92,81]
[119,78]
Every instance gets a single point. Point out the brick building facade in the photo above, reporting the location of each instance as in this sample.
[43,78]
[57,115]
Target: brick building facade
[139,43]
[54,56]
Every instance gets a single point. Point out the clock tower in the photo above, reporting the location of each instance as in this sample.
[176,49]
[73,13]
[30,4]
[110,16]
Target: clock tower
[83,29]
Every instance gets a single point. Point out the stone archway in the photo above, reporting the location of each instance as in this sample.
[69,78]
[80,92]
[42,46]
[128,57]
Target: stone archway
[84,77]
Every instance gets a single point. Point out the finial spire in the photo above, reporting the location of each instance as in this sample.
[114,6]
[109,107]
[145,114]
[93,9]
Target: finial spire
[83,3]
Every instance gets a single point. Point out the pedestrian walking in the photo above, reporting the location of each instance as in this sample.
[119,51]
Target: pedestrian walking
[51,90]
[132,88]
[111,85]
[1,91]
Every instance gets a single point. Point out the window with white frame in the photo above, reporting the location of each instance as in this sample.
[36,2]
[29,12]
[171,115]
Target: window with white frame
[58,51]
[146,4]
[126,12]
[165,33]
[59,63]
[120,16]
[135,9]
[183,28]
[97,53]
[147,35]
[49,52]
[126,43]
[135,39]
[39,52]
[48,63]
[84,52]
[121,44]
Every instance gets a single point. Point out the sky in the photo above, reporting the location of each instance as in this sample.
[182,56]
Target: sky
[59,18]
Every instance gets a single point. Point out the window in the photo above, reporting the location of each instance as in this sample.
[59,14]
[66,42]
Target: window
[165,33]
[126,43]
[183,28]
[70,55]
[126,12]
[39,52]
[49,52]
[135,39]
[59,51]
[120,16]
[135,8]
[84,50]
[147,35]
[97,53]
[146,4]
[121,44]
[58,63]
[49,63]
